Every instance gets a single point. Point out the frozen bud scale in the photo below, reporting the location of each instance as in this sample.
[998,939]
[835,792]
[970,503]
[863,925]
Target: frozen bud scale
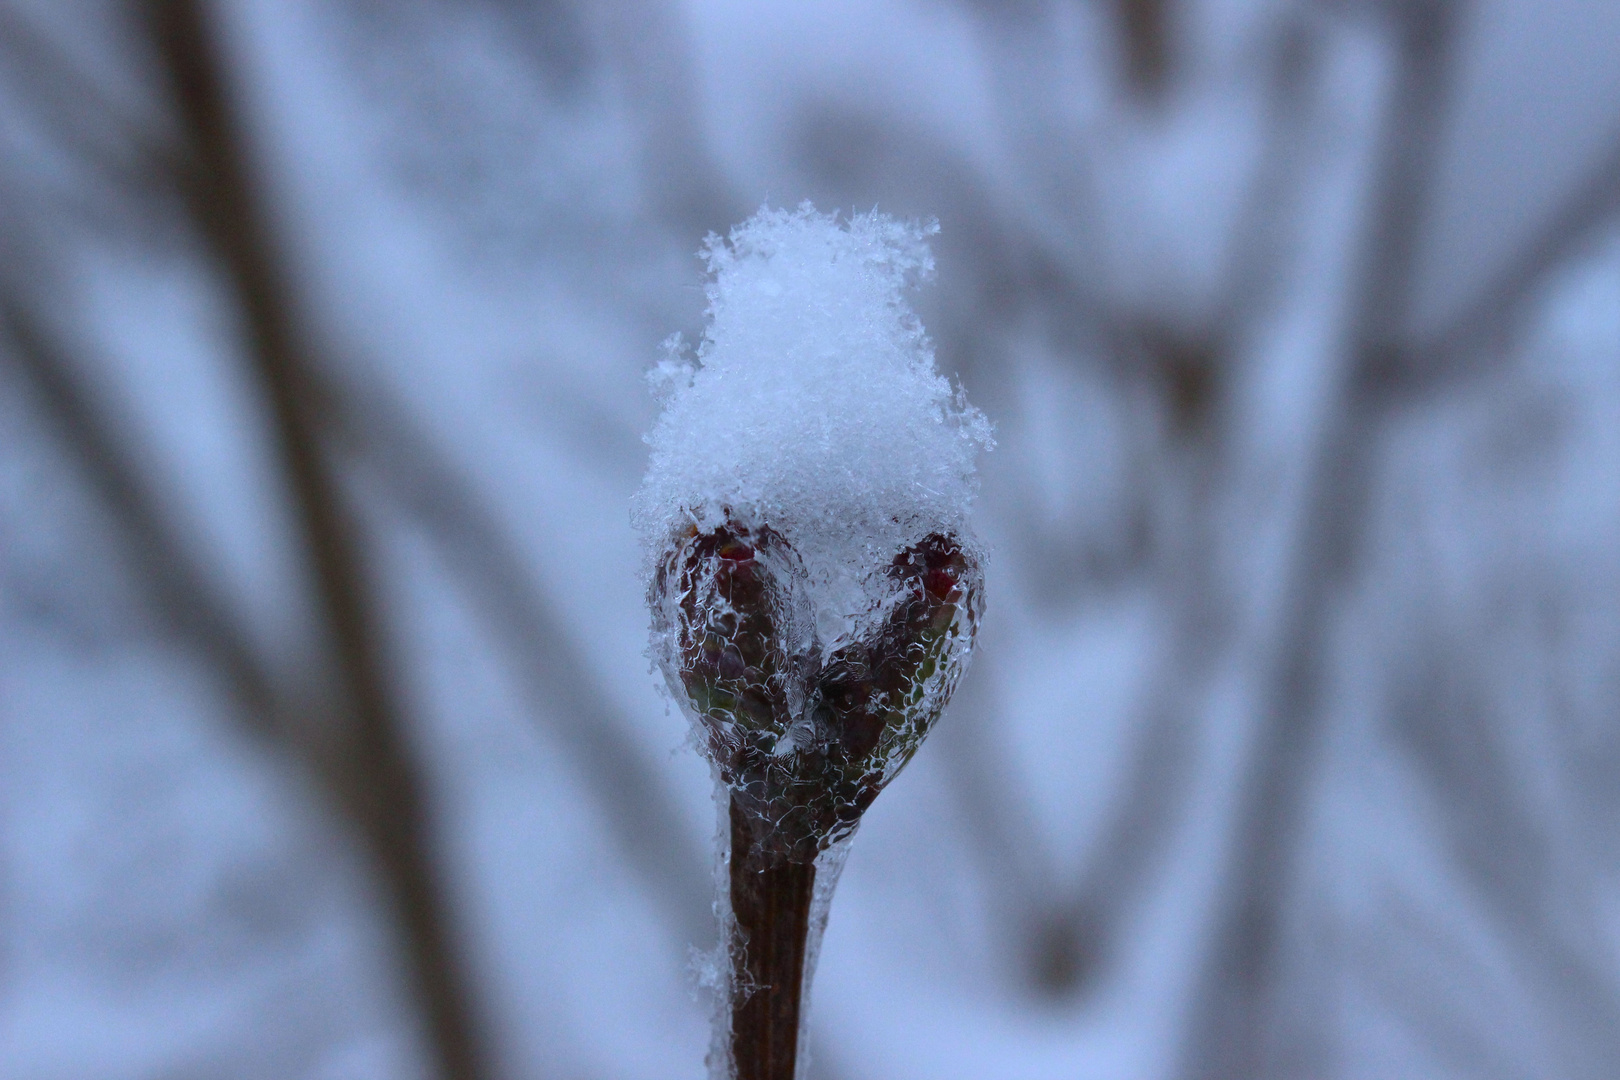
[806,737]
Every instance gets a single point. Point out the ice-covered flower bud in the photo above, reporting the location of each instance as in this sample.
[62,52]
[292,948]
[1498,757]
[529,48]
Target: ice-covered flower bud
[814,584]
[815,588]
[804,737]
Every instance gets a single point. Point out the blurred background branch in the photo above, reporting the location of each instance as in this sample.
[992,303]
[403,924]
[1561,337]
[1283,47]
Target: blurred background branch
[375,774]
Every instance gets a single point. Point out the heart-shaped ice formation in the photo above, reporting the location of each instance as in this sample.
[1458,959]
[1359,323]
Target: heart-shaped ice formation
[804,737]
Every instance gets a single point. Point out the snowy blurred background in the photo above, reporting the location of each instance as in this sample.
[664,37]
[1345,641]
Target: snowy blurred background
[328,746]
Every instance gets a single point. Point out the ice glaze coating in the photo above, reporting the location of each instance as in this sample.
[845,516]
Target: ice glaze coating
[806,738]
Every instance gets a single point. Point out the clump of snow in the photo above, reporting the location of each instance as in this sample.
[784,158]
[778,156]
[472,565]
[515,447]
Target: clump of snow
[813,406]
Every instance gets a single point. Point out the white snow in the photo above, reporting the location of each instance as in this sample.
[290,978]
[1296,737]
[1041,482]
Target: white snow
[813,405]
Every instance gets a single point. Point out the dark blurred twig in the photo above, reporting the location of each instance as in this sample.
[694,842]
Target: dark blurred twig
[1074,932]
[384,787]
[652,53]
[1404,976]
[121,148]
[633,798]
[1232,1035]
[1139,825]
[1516,855]
[1145,30]
[1474,334]
[179,586]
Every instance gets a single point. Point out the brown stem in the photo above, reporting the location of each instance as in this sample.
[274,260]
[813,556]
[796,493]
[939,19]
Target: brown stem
[770,906]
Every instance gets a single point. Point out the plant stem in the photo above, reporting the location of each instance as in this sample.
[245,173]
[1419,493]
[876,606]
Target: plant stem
[770,907]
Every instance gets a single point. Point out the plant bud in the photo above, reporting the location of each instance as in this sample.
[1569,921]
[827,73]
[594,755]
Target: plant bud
[804,736]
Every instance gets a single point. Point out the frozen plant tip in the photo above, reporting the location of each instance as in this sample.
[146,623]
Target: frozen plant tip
[814,587]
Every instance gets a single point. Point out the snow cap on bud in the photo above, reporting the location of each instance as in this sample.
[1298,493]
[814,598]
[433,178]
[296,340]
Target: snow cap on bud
[814,585]
[814,405]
